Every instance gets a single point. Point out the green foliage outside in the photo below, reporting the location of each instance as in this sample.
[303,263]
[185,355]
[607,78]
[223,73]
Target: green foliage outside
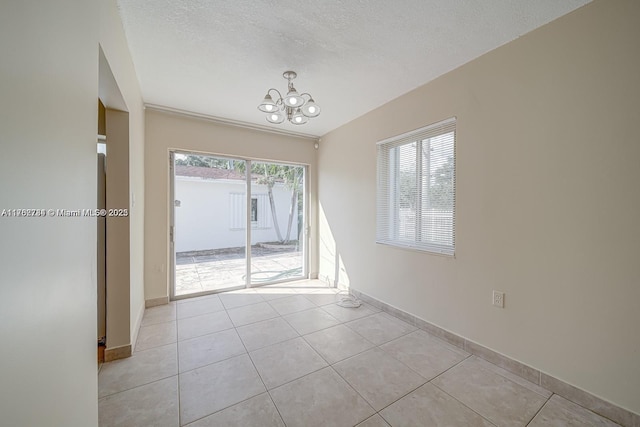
[440,189]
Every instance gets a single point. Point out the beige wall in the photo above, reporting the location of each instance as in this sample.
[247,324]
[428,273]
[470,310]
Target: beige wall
[118,290]
[48,122]
[547,202]
[128,309]
[168,131]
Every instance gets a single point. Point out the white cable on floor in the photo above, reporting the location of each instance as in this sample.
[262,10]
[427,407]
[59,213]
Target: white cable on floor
[347,300]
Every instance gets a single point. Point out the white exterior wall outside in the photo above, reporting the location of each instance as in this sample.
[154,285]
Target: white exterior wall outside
[204,219]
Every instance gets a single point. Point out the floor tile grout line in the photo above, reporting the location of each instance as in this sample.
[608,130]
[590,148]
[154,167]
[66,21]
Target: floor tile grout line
[135,347]
[261,380]
[457,354]
[150,348]
[338,361]
[450,368]
[417,373]
[144,315]
[509,379]
[457,348]
[381,416]
[321,329]
[404,334]
[209,364]
[347,321]
[178,367]
[244,400]
[305,309]
[137,386]
[539,410]
[252,362]
[294,312]
[329,365]
[277,409]
[252,323]
[274,344]
[401,397]
[208,333]
[583,407]
[463,404]
[356,391]
[462,361]
[222,409]
[201,314]
[244,305]
[205,335]
[361,318]
[157,323]
[296,379]
[407,366]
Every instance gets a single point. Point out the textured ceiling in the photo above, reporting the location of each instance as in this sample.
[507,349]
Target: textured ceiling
[219,57]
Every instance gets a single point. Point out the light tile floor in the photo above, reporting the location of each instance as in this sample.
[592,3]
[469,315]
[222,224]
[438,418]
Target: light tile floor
[287,355]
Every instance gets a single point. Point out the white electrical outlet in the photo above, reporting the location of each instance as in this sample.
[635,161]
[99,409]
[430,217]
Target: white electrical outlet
[498,299]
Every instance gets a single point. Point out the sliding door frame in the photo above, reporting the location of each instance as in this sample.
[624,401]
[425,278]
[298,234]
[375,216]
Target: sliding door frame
[172,221]
[248,283]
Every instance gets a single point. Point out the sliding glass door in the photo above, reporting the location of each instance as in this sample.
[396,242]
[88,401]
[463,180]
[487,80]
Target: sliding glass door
[235,223]
[277,222]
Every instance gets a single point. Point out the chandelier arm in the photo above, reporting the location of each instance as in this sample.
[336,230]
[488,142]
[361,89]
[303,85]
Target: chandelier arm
[278,92]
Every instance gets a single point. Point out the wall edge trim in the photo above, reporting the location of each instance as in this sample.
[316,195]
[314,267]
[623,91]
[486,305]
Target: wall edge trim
[115,353]
[156,301]
[230,122]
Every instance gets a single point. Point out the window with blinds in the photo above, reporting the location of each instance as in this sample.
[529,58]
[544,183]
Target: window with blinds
[416,189]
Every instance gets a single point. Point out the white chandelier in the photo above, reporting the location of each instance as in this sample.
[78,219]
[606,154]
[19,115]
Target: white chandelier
[294,107]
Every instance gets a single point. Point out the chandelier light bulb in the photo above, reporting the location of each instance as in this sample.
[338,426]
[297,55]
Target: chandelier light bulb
[267,105]
[298,118]
[276,117]
[311,109]
[293,99]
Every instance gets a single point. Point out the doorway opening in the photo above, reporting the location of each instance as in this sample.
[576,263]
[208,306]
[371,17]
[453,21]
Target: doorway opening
[235,223]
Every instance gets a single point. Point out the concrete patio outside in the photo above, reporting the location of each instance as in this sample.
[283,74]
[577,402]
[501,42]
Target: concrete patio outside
[218,269]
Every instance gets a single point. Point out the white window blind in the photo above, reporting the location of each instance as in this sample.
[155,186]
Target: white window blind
[416,189]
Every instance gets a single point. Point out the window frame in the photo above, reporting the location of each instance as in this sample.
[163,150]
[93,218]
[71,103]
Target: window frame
[254,210]
[388,228]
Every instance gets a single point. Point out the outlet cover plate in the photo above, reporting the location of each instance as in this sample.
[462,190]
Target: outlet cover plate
[498,299]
